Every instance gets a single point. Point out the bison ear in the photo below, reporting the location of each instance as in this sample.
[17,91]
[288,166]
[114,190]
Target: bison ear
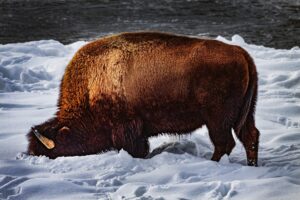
[64,130]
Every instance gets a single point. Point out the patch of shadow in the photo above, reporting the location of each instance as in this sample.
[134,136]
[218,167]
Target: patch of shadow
[87,182]
[184,146]
[6,106]
[140,191]
[5,135]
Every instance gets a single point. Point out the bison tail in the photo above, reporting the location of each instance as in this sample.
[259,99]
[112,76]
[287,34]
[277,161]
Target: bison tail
[248,106]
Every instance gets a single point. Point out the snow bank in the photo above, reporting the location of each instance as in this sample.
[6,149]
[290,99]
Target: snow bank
[34,65]
[177,169]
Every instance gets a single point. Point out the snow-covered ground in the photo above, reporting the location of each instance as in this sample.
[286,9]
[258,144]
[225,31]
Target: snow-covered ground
[29,80]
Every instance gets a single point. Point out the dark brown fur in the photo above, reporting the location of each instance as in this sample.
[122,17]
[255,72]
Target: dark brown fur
[119,90]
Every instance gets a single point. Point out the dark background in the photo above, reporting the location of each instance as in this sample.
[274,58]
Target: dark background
[274,23]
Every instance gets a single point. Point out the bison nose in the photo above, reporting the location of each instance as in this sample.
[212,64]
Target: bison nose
[31,153]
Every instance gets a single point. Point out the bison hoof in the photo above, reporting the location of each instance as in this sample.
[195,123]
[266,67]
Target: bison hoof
[252,162]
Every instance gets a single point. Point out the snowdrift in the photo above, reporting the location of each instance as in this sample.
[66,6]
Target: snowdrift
[180,168]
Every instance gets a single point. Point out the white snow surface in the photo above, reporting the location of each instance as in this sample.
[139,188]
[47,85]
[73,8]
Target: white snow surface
[30,74]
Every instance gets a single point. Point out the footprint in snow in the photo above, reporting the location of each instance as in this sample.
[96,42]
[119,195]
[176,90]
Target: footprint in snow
[9,186]
[140,191]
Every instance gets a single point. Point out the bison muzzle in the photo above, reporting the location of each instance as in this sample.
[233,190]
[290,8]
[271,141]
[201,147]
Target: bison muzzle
[120,90]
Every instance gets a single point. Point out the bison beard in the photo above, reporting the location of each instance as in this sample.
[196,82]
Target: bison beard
[120,90]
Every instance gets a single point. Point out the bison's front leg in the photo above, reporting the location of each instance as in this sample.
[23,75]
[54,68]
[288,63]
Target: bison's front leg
[129,136]
[140,148]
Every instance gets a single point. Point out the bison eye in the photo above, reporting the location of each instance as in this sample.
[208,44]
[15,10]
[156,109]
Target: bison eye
[64,130]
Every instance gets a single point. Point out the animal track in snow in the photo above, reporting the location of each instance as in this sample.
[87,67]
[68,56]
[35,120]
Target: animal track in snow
[222,191]
[140,191]
[9,186]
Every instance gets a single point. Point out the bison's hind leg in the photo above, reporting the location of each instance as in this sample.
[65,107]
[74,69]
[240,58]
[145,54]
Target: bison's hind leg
[222,140]
[230,142]
[129,136]
[249,136]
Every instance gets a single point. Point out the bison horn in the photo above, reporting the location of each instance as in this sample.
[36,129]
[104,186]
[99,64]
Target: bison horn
[45,141]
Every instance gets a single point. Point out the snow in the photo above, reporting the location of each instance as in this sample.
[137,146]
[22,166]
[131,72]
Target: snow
[179,168]
[34,65]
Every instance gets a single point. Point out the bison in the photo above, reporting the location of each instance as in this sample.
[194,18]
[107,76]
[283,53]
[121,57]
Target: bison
[120,90]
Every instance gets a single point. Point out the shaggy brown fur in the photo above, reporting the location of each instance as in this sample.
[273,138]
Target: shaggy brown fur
[119,90]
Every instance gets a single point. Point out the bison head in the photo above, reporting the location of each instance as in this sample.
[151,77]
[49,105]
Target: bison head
[54,139]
